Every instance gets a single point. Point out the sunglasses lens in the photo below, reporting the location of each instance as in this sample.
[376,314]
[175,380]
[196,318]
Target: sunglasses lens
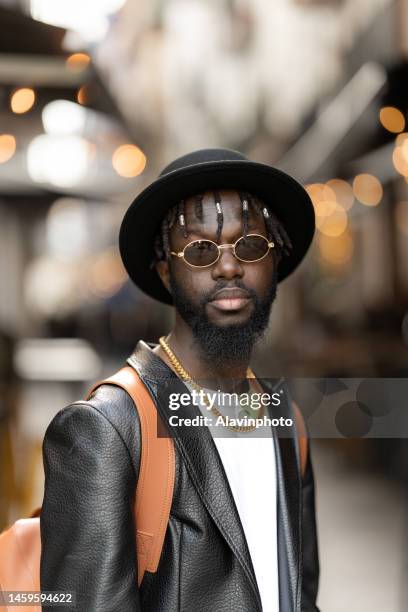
[201,253]
[251,248]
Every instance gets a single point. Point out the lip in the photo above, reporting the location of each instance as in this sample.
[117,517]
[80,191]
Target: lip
[231,293]
[230,299]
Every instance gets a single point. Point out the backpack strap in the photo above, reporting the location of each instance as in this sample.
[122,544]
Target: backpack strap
[154,491]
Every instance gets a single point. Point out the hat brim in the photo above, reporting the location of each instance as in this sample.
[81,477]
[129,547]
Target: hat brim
[280,192]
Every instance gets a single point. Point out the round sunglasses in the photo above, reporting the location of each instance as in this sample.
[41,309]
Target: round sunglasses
[204,253]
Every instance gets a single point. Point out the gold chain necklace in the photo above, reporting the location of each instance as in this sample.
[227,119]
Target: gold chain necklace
[186,376]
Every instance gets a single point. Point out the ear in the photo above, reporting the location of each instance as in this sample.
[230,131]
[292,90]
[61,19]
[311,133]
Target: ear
[162,268]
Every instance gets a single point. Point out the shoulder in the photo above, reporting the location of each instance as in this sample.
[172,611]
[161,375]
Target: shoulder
[118,408]
[108,417]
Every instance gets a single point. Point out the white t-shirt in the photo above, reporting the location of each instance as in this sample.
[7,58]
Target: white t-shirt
[249,462]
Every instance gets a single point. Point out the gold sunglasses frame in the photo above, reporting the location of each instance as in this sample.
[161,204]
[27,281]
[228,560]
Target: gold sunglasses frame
[180,254]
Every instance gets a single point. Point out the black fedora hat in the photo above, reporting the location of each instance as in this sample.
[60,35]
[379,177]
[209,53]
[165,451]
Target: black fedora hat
[195,173]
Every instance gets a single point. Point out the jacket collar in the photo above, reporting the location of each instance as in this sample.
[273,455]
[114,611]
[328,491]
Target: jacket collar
[206,470]
[289,491]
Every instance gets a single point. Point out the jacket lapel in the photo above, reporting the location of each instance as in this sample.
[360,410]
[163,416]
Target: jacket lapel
[200,456]
[289,507]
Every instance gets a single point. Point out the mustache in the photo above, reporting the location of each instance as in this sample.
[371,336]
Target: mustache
[238,284]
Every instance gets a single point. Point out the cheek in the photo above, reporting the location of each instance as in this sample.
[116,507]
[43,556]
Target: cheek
[194,283]
[259,276]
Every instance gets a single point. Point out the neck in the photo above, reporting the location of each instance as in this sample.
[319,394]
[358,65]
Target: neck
[183,345]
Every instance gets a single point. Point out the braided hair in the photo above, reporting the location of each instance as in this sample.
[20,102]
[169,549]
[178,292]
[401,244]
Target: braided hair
[275,230]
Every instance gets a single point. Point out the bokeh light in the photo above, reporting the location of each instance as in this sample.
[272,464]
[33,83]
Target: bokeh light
[22,100]
[392,119]
[320,192]
[82,95]
[367,189]
[61,117]
[107,274]
[78,61]
[67,231]
[128,161]
[400,158]
[50,286]
[62,161]
[336,250]
[90,18]
[334,223]
[7,147]
[324,208]
[401,138]
[330,207]
[343,192]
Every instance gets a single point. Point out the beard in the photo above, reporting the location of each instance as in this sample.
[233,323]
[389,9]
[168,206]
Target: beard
[220,343]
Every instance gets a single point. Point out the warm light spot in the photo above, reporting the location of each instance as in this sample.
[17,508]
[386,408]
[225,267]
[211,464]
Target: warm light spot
[336,250]
[7,147]
[392,119]
[343,192]
[78,61]
[22,100]
[128,161]
[401,138]
[82,95]
[325,208]
[319,192]
[400,160]
[401,216]
[333,224]
[367,189]
[107,274]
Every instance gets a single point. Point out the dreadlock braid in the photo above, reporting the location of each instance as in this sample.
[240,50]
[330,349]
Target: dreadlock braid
[275,229]
[276,233]
[165,237]
[220,216]
[245,200]
[286,240]
[182,218]
[172,216]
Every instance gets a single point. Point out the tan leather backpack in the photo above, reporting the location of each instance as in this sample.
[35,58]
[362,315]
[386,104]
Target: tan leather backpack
[20,545]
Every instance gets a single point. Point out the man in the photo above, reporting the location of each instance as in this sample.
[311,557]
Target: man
[213,235]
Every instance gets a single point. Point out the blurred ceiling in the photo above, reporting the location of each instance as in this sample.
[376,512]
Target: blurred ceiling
[242,73]
[72,153]
[174,75]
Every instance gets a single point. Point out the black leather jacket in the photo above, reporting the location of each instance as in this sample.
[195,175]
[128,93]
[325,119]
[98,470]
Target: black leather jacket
[91,459]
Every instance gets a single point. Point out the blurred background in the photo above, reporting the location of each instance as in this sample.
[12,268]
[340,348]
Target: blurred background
[96,97]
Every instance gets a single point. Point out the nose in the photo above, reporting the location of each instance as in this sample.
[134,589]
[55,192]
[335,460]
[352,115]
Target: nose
[228,266]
